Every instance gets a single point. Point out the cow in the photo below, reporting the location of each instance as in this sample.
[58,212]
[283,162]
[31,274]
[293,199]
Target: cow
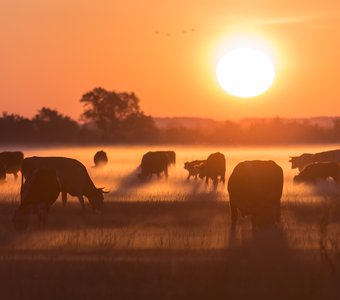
[2,172]
[73,176]
[192,167]
[255,189]
[12,162]
[319,171]
[213,168]
[100,159]
[307,158]
[154,163]
[40,190]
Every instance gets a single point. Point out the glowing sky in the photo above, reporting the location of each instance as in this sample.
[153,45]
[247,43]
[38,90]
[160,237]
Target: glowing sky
[53,51]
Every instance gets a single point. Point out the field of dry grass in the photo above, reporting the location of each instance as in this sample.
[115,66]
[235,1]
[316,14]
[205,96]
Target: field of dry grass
[171,240]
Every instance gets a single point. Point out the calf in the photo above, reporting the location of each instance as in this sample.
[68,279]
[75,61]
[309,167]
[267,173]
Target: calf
[193,167]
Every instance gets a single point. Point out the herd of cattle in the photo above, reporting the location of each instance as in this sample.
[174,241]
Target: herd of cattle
[254,187]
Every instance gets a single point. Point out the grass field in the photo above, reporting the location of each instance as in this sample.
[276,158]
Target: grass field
[170,239]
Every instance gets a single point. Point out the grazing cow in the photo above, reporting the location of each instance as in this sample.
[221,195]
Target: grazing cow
[255,188]
[305,159]
[321,170]
[100,159]
[154,163]
[73,176]
[192,167]
[40,190]
[213,168]
[12,162]
[2,172]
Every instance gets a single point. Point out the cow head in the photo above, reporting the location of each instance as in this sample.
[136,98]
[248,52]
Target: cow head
[96,198]
[299,162]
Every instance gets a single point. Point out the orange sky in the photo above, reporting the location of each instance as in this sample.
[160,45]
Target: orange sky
[54,51]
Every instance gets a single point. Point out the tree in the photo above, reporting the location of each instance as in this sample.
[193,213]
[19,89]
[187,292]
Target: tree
[50,125]
[117,116]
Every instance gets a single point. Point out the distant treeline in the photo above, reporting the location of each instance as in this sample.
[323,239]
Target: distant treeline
[113,117]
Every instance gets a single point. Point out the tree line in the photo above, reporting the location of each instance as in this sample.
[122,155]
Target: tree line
[116,117]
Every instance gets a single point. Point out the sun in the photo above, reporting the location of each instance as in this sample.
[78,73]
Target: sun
[245,72]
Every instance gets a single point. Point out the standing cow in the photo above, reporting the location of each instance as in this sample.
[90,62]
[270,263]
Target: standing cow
[193,167]
[154,163]
[322,170]
[213,168]
[305,159]
[12,162]
[100,159]
[255,189]
[40,190]
[73,176]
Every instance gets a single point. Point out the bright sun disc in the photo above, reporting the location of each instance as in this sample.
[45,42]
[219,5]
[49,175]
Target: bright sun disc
[245,72]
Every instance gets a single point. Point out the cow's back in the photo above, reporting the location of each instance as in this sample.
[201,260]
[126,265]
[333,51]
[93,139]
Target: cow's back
[253,183]
[154,162]
[72,174]
[216,161]
[331,155]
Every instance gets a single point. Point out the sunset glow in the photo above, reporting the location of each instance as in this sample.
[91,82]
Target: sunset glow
[245,72]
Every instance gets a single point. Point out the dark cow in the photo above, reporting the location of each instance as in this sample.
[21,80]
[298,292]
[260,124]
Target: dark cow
[154,163]
[192,167]
[40,190]
[2,172]
[100,159]
[307,158]
[12,162]
[319,171]
[255,188]
[213,168]
[73,176]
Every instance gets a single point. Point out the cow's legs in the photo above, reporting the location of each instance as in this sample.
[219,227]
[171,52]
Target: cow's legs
[64,198]
[81,200]
[15,175]
[215,181]
[166,173]
[223,177]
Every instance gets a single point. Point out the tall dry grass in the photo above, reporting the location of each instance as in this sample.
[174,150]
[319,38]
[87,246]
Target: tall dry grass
[171,239]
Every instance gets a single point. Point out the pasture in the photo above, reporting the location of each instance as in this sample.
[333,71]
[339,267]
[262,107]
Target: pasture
[170,239]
